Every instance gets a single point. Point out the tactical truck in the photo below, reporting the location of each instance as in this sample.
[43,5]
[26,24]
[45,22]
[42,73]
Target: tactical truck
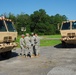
[68,32]
[8,35]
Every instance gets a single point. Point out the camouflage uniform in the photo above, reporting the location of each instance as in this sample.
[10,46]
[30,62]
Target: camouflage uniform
[37,44]
[22,45]
[33,44]
[28,44]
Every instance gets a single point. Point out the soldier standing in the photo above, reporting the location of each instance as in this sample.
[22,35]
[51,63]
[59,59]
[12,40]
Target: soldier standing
[22,45]
[28,45]
[37,45]
[33,43]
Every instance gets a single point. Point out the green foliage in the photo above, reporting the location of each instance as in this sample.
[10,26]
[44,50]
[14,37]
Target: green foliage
[49,42]
[38,22]
[51,36]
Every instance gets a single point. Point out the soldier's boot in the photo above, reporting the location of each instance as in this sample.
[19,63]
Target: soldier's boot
[20,53]
[37,55]
[32,56]
[26,56]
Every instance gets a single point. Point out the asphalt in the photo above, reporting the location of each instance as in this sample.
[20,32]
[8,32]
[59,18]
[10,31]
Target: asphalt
[52,61]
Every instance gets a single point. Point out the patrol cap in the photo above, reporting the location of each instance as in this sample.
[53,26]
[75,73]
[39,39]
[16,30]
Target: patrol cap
[32,33]
[22,35]
[27,34]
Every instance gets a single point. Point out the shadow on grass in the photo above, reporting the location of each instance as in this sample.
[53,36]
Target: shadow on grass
[13,54]
[67,46]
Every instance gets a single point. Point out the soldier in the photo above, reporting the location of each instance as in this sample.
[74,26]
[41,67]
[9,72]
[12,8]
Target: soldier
[28,45]
[37,45]
[22,45]
[33,43]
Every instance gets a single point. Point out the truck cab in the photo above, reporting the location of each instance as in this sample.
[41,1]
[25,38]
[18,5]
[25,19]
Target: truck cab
[68,32]
[8,35]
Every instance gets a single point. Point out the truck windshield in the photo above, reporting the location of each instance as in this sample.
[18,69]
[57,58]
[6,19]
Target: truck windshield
[73,25]
[66,26]
[10,26]
[2,26]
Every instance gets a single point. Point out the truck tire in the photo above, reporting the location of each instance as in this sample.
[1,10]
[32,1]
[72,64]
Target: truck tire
[64,45]
[6,54]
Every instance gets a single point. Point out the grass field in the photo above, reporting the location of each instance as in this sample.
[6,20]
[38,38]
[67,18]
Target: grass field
[45,41]
[51,36]
[49,42]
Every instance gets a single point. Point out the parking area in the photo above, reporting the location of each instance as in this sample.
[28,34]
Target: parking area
[52,61]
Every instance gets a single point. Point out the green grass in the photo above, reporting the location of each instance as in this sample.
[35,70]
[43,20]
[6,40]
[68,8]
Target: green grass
[18,38]
[51,36]
[44,41]
[17,41]
[49,42]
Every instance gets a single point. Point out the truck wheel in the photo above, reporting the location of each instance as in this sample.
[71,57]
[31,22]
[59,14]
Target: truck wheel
[6,54]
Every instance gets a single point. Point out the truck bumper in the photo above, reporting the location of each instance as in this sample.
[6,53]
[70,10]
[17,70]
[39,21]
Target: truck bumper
[7,47]
[69,40]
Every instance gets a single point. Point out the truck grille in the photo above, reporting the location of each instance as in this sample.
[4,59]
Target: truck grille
[8,39]
[71,35]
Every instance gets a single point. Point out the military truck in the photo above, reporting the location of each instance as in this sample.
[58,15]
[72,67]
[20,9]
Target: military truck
[8,35]
[68,32]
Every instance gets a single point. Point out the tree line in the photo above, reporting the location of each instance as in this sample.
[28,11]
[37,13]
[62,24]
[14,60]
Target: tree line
[38,22]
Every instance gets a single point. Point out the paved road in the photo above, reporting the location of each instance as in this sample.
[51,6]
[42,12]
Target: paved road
[52,61]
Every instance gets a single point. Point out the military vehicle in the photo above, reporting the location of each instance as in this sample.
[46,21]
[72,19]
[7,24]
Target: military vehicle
[8,35]
[68,32]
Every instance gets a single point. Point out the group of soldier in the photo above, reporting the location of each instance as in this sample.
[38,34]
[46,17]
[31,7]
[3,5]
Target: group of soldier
[30,45]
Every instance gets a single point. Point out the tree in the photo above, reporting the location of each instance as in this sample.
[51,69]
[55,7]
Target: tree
[23,20]
[38,22]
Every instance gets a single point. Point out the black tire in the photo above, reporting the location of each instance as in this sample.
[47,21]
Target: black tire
[6,54]
[64,45]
